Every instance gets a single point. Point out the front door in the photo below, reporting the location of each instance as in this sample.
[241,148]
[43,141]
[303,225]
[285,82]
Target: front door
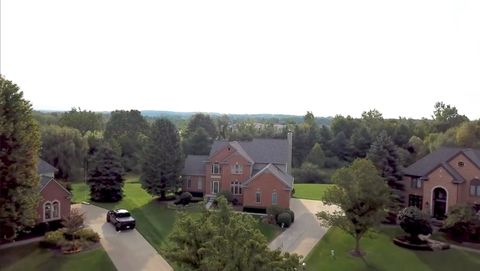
[215,187]
[439,203]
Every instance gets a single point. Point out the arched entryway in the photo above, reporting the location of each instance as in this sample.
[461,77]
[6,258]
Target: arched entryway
[439,201]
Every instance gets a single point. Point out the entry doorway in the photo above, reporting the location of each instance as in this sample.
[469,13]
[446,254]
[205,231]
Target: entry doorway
[439,203]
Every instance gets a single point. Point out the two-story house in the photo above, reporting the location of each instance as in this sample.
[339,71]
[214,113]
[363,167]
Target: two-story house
[257,172]
[442,179]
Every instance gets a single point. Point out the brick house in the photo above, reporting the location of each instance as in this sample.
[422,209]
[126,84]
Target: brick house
[54,202]
[442,179]
[257,172]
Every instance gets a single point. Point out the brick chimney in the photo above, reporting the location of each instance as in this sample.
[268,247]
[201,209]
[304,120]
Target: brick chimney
[289,159]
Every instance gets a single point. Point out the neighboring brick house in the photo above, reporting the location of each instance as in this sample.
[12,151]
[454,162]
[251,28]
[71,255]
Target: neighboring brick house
[257,172]
[442,179]
[54,201]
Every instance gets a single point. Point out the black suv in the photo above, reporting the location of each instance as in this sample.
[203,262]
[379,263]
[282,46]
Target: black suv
[121,219]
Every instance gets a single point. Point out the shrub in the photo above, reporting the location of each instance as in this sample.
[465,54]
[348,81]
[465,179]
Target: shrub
[73,222]
[227,194]
[462,223]
[88,235]
[53,239]
[275,210]
[309,173]
[414,222]
[284,219]
[292,214]
[185,198]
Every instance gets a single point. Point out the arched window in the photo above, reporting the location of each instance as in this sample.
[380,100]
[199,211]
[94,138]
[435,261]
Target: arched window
[47,211]
[56,210]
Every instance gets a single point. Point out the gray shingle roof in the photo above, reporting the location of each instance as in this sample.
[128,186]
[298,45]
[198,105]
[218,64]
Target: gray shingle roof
[44,167]
[441,157]
[194,165]
[284,177]
[44,180]
[260,150]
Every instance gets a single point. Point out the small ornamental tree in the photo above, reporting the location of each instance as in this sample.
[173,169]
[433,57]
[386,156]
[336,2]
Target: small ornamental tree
[414,222]
[105,178]
[362,195]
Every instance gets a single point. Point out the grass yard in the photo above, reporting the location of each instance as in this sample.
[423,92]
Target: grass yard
[154,219]
[382,254]
[32,257]
[310,190]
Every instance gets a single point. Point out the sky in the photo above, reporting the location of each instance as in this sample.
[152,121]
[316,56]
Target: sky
[250,56]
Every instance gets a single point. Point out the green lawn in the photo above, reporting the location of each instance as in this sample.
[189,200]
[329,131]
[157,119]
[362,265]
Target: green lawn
[154,219]
[310,190]
[382,254]
[32,257]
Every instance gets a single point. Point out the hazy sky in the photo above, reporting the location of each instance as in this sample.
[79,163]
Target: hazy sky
[330,57]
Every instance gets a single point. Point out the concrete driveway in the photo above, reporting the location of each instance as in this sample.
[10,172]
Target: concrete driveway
[128,250]
[306,231]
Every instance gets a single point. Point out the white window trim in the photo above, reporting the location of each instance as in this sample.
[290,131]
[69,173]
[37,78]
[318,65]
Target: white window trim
[44,213]
[213,187]
[199,184]
[59,210]
[432,203]
[260,197]
[216,165]
[276,198]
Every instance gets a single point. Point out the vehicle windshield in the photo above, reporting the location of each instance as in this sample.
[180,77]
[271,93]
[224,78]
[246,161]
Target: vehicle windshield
[123,214]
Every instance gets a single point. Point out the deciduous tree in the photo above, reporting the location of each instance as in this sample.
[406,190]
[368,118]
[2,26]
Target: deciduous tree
[224,240]
[362,195]
[19,148]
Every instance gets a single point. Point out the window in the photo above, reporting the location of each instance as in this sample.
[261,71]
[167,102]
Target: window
[257,197]
[461,164]
[236,187]
[216,187]
[475,188]
[237,169]
[47,211]
[216,168]
[414,200]
[189,182]
[416,183]
[199,184]
[274,198]
[56,210]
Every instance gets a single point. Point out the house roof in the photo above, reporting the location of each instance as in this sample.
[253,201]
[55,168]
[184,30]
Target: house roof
[440,157]
[194,165]
[280,174]
[45,180]
[44,167]
[273,151]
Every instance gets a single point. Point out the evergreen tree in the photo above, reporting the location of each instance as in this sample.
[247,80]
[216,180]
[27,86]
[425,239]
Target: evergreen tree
[361,141]
[19,150]
[340,147]
[163,159]
[385,157]
[316,156]
[224,240]
[106,176]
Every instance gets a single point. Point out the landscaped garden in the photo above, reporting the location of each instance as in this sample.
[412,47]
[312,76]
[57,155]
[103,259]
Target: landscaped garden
[382,254]
[312,191]
[154,218]
[33,257]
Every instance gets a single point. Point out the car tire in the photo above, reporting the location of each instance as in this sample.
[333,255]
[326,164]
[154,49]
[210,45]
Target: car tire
[117,228]
[108,219]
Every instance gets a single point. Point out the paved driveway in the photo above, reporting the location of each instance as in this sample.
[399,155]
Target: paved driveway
[306,231]
[128,250]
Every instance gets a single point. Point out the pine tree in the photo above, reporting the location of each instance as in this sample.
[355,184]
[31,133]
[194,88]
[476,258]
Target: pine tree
[316,156]
[384,154]
[19,148]
[106,176]
[163,159]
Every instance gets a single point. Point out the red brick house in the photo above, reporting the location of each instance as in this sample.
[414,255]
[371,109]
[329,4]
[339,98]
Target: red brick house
[257,172]
[442,179]
[55,199]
